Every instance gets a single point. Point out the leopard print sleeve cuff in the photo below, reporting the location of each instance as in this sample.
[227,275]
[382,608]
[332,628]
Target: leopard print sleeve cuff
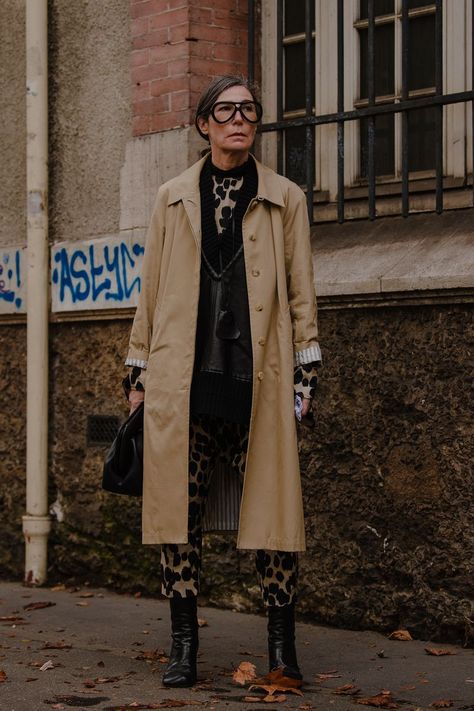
[306,379]
[135,380]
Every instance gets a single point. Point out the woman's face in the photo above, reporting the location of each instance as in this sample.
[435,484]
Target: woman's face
[236,136]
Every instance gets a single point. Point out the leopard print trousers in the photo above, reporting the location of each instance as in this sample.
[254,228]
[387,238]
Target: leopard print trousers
[213,440]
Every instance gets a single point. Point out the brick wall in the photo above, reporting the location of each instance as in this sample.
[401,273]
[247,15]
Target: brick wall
[177,46]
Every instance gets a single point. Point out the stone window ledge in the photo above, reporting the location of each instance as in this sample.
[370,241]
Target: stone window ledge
[394,256]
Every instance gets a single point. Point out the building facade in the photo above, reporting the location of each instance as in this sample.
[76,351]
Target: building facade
[368,106]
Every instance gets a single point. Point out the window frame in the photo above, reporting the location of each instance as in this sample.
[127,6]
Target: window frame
[457,121]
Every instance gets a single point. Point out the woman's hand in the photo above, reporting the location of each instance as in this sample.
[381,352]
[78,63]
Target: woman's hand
[135,397]
[305,407]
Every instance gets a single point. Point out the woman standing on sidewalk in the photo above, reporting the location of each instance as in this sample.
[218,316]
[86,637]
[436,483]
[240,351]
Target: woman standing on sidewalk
[225,325]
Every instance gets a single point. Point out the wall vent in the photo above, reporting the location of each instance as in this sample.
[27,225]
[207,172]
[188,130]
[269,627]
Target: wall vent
[101,429]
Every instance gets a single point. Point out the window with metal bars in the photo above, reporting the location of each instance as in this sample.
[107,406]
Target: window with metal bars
[374,93]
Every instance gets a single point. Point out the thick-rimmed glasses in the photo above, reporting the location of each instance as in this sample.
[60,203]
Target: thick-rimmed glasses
[224,111]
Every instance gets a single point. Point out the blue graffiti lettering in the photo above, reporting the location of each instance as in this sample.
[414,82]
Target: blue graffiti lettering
[97,271]
[113,265]
[6,293]
[136,282]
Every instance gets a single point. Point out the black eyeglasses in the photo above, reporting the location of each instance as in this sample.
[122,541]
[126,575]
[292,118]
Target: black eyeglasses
[224,111]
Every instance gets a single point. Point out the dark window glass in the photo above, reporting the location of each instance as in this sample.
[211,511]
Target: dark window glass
[384,61]
[381,7]
[421,52]
[295,77]
[421,139]
[295,154]
[384,146]
[418,3]
[295,16]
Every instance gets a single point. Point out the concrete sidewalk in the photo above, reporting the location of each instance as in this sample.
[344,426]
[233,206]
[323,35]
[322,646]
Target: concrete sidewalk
[100,648]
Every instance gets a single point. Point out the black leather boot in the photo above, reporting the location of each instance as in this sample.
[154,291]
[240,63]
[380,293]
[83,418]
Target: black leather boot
[181,669]
[281,640]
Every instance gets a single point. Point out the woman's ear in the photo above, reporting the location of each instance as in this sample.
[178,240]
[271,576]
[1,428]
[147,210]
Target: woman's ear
[203,125]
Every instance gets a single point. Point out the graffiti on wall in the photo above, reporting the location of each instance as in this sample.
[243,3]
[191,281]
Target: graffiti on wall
[96,274]
[12,291]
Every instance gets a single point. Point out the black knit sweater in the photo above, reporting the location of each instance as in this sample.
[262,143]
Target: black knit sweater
[222,379]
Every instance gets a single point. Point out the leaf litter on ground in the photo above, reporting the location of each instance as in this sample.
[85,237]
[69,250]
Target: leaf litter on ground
[383,700]
[346,690]
[153,655]
[276,681]
[401,636]
[164,704]
[245,672]
[436,652]
[38,605]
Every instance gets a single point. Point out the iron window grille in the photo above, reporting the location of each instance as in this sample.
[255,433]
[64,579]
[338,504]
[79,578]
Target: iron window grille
[371,108]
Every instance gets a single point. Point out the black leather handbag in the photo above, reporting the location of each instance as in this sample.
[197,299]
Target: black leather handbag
[123,465]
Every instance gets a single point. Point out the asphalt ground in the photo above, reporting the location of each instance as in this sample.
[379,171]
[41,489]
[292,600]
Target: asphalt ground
[95,649]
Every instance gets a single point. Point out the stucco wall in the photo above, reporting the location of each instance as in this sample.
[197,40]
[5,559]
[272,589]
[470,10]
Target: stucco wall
[13,122]
[90,115]
[387,475]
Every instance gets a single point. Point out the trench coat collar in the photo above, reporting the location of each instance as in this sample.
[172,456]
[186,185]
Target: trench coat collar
[186,186]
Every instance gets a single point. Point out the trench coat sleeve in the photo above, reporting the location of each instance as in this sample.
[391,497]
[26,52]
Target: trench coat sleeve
[300,277]
[140,337]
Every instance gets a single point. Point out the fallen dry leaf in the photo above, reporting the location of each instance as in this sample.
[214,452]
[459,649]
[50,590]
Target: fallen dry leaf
[401,636]
[202,622]
[274,698]
[347,690]
[56,645]
[153,655]
[47,665]
[3,676]
[276,681]
[10,618]
[250,654]
[446,704]
[82,604]
[305,707]
[252,699]
[245,672]
[38,605]
[439,652]
[325,676]
[58,588]
[86,594]
[383,700]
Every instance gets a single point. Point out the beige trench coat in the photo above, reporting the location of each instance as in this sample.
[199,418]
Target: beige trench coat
[282,307]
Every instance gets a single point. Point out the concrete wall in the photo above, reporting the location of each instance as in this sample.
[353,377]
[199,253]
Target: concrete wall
[387,475]
[90,115]
[13,122]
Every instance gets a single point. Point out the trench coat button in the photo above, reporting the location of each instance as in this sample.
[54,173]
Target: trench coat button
[252,238]
[260,375]
[255,272]
[261,341]
[259,307]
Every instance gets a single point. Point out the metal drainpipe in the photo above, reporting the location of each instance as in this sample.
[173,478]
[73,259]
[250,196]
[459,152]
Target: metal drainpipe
[36,521]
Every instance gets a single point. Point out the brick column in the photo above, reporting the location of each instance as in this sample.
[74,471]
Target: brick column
[177,46]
